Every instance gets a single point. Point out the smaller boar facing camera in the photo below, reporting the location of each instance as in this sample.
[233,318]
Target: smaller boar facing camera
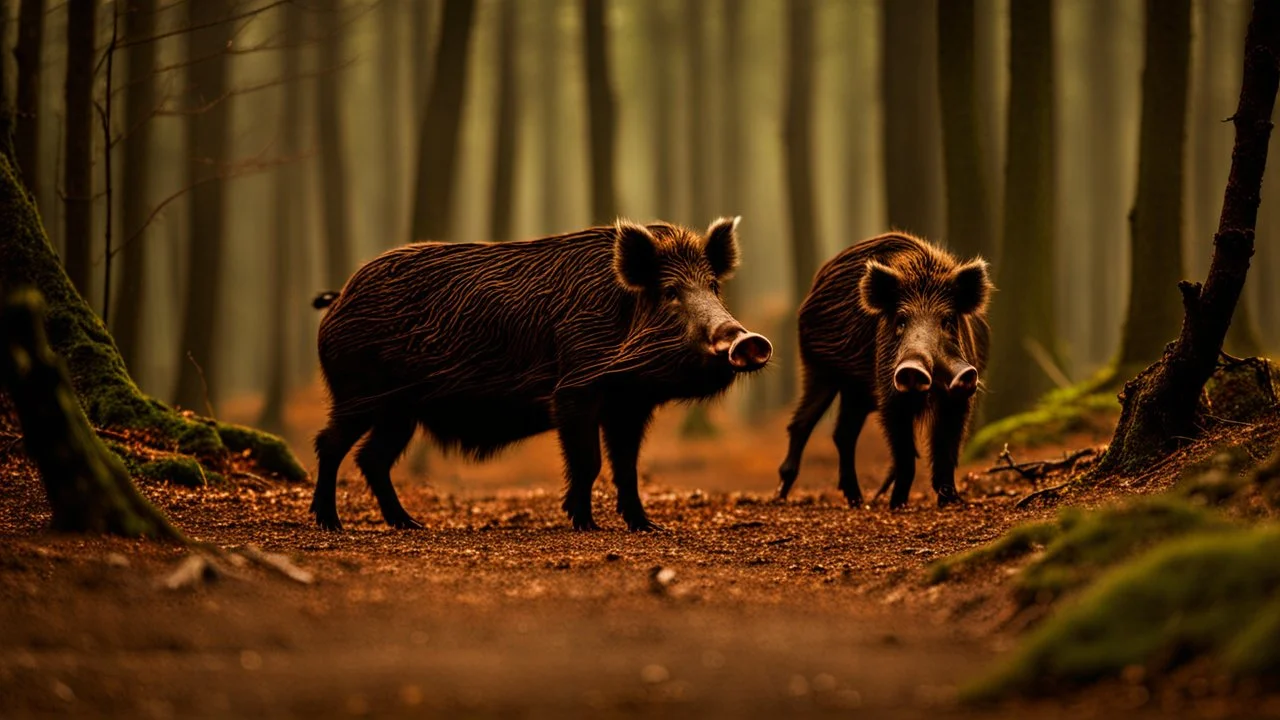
[896,325]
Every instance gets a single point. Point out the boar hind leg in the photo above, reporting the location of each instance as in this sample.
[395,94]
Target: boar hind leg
[623,432]
[949,423]
[380,451]
[855,405]
[817,397]
[332,444]
[580,445]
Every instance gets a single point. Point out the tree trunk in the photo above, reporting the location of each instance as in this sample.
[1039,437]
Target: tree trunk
[1023,327]
[6,103]
[602,114]
[912,144]
[662,105]
[426,19]
[88,488]
[390,15]
[26,55]
[140,102]
[1107,200]
[798,132]
[438,140]
[970,227]
[78,154]
[1159,405]
[696,116]
[732,144]
[289,181]
[206,157]
[333,167]
[502,209]
[1156,221]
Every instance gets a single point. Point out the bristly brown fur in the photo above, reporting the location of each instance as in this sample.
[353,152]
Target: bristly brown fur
[849,346]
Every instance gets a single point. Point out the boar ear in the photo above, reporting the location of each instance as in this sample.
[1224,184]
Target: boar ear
[635,256]
[971,286]
[722,246]
[879,288]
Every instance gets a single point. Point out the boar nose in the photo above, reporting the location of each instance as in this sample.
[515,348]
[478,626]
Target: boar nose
[911,375]
[965,381]
[750,351]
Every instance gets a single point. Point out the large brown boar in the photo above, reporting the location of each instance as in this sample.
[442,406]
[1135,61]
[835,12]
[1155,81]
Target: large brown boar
[897,325]
[482,345]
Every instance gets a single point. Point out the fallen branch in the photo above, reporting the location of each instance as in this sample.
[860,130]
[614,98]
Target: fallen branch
[1035,471]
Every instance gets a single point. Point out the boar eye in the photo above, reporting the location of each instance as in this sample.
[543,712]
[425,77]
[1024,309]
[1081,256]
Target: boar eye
[671,293]
[715,286]
[901,324]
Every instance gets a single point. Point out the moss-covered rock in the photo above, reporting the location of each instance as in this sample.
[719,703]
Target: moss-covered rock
[1241,391]
[1206,595]
[179,470]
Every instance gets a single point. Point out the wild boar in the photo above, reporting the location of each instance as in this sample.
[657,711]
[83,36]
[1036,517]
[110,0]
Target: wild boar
[482,345]
[896,325]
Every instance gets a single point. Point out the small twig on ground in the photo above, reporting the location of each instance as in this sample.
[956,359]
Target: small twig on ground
[1035,471]
[1042,492]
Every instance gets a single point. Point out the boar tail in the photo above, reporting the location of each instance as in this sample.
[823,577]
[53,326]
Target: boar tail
[324,299]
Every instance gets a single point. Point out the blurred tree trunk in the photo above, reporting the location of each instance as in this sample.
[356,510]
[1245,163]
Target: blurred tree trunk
[209,108]
[732,143]
[1106,135]
[1023,329]
[78,155]
[697,134]
[26,55]
[991,56]
[140,101]
[602,112]
[333,166]
[912,144]
[502,206]
[1160,404]
[438,140]
[1156,220]
[970,227]
[289,181]
[391,14]
[426,21]
[6,103]
[662,106]
[798,131]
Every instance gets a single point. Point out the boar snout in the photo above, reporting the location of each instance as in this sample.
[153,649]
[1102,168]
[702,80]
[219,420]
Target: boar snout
[964,380]
[750,351]
[912,375]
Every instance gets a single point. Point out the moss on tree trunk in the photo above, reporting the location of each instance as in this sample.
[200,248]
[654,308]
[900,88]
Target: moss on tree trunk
[88,487]
[106,393]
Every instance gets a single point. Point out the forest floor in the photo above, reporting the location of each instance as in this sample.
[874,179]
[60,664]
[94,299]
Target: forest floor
[742,608]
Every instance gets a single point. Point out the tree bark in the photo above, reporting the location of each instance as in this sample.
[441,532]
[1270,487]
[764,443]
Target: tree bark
[970,227]
[288,183]
[697,134]
[78,153]
[602,113]
[502,204]
[27,95]
[912,144]
[1159,405]
[1023,317]
[438,140]
[206,157]
[333,166]
[6,102]
[390,15]
[1156,220]
[140,102]
[662,106]
[798,131]
[87,486]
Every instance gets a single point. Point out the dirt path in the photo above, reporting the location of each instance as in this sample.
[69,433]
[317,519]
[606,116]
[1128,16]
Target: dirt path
[800,609]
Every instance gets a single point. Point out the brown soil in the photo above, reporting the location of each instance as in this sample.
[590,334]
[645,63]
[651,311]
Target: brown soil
[805,608]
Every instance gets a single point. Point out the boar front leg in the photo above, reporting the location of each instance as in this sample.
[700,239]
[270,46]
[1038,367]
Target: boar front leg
[579,431]
[951,418]
[624,430]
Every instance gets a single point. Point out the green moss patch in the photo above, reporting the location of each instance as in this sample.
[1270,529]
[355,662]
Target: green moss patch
[1053,417]
[1207,595]
[268,451]
[1021,540]
[179,470]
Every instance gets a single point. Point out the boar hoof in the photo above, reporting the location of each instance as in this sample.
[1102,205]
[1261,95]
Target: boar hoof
[948,496]
[403,522]
[585,524]
[329,521]
[855,500]
[644,524]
